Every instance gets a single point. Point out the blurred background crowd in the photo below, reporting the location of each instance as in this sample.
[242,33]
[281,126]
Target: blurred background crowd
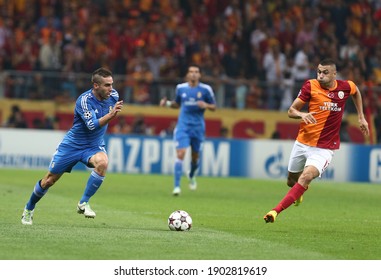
[254,53]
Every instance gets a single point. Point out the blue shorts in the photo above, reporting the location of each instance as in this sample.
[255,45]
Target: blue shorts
[185,137]
[66,157]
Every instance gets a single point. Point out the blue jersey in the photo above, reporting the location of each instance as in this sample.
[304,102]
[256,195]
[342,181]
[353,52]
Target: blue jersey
[86,131]
[192,116]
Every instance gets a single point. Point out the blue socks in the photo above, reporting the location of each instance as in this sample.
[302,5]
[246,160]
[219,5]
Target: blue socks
[178,172]
[37,194]
[93,184]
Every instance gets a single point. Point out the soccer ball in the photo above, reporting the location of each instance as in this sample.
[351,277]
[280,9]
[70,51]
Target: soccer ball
[180,221]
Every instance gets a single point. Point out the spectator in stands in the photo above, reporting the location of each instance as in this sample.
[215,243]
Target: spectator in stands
[138,125]
[38,124]
[38,89]
[168,132]
[233,63]
[233,21]
[241,92]
[52,122]
[24,59]
[180,28]
[48,21]
[275,135]
[50,54]
[287,85]
[224,132]
[339,12]
[217,79]
[274,63]
[259,36]
[6,43]
[73,56]
[142,84]
[302,65]
[156,61]
[287,35]
[45,123]
[306,35]
[350,50]
[255,96]
[16,119]
[139,78]
[4,79]
[122,127]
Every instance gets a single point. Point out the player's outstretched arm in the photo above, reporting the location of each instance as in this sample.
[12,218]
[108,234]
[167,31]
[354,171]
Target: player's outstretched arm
[294,112]
[204,105]
[164,102]
[357,100]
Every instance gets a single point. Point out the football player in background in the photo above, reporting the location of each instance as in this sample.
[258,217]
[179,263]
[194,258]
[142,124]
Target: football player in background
[193,98]
[84,142]
[319,130]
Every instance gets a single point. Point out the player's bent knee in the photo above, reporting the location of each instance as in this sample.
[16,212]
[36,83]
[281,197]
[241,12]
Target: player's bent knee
[101,166]
[306,179]
[49,182]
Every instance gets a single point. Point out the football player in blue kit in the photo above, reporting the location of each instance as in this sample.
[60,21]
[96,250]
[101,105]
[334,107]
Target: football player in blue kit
[193,98]
[84,142]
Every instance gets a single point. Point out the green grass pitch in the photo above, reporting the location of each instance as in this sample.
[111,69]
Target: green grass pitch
[336,221]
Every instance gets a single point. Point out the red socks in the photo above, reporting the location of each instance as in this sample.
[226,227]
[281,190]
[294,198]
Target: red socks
[293,194]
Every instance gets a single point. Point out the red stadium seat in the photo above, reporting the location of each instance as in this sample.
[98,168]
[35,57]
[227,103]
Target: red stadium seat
[30,116]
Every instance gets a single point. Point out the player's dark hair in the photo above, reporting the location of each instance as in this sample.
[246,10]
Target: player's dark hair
[194,65]
[327,61]
[100,72]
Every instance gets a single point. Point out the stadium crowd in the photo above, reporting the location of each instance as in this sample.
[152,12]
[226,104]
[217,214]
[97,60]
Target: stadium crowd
[254,53]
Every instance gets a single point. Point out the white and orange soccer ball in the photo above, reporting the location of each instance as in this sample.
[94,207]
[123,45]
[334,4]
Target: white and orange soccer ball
[180,220]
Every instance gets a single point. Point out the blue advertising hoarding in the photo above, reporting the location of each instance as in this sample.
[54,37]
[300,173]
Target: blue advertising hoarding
[220,157]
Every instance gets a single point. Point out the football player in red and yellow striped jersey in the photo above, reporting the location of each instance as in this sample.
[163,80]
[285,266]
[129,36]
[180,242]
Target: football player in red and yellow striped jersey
[319,130]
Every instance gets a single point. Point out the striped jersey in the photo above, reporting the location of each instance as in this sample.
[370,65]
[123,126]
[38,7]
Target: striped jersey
[186,96]
[329,106]
[86,131]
